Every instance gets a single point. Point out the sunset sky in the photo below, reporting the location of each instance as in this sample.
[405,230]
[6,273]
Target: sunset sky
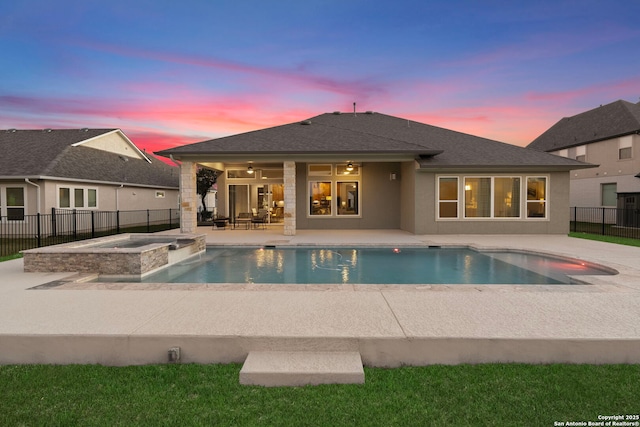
[173,72]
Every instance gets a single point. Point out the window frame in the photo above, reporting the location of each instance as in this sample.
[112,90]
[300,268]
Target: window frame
[602,194]
[73,190]
[522,204]
[546,198]
[456,200]
[335,180]
[626,150]
[4,203]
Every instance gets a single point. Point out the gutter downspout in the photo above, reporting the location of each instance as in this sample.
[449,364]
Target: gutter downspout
[37,192]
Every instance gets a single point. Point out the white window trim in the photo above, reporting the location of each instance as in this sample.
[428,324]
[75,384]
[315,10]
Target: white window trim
[252,177]
[72,197]
[334,179]
[523,198]
[546,198]
[438,200]
[4,206]
[316,173]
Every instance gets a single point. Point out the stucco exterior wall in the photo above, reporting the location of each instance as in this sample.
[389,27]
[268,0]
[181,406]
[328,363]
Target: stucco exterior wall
[380,198]
[128,198]
[408,197]
[557,221]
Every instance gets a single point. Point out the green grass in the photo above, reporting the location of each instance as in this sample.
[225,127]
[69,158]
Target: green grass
[210,395]
[10,257]
[609,239]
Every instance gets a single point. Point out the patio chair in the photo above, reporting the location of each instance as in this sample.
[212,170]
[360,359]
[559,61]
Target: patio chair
[243,218]
[261,219]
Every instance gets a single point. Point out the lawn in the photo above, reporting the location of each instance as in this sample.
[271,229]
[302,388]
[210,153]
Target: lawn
[208,395]
[609,239]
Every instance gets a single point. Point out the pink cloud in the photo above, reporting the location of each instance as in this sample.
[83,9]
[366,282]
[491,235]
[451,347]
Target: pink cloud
[303,80]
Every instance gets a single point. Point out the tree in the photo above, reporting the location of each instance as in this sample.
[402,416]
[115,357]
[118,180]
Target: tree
[205,178]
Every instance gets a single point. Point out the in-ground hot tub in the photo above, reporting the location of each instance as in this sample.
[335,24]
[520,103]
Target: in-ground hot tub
[122,255]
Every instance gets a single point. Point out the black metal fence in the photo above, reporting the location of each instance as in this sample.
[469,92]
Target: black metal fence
[64,226]
[606,221]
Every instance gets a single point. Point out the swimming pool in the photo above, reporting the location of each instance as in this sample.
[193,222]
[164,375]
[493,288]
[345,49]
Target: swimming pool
[311,265]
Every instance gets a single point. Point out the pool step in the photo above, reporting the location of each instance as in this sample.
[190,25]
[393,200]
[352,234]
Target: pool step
[297,368]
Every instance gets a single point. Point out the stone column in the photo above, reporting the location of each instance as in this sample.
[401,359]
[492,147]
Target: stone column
[188,198]
[289,198]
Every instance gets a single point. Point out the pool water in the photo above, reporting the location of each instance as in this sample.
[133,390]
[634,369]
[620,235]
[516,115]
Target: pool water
[371,266]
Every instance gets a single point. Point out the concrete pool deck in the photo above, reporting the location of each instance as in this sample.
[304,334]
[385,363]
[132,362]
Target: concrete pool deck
[415,325]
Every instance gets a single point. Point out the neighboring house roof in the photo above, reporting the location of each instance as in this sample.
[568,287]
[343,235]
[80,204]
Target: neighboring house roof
[65,154]
[375,133]
[605,122]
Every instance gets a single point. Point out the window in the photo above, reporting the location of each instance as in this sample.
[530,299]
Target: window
[448,197]
[609,193]
[320,198]
[506,197]
[64,198]
[272,173]
[347,201]
[320,170]
[624,153]
[536,197]
[14,203]
[491,197]
[337,195]
[347,169]
[624,148]
[77,197]
[240,173]
[477,197]
[92,198]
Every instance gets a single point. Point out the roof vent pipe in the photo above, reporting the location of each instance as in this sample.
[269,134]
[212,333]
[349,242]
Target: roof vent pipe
[354,109]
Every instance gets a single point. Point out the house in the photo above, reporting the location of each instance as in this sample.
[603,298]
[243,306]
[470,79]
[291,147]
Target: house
[375,171]
[84,169]
[608,136]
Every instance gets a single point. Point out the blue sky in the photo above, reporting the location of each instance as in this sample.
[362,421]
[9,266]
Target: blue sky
[169,73]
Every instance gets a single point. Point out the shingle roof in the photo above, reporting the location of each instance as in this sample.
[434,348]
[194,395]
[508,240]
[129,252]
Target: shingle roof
[50,153]
[367,133]
[607,121]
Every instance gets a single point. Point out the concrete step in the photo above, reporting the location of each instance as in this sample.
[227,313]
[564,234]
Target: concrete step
[298,368]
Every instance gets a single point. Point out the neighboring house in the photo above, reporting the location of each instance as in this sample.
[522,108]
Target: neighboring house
[374,171]
[608,136]
[84,169]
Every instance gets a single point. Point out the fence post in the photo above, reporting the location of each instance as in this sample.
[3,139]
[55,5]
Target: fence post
[93,225]
[39,239]
[75,225]
[170,220]
[148,222]
[117,222]
[54,229]
[603,214]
